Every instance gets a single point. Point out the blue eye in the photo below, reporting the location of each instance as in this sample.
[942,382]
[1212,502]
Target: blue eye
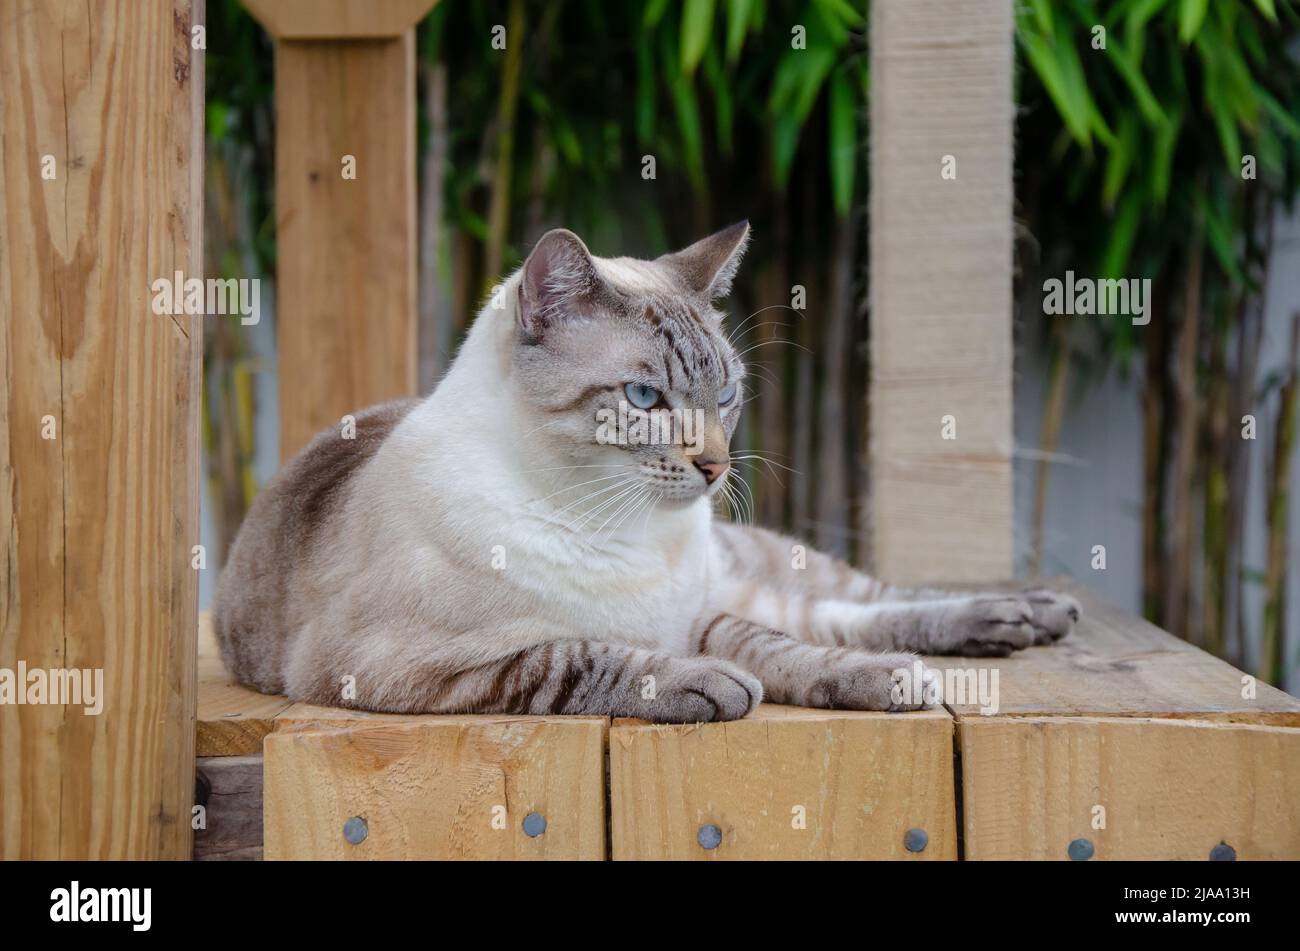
[641,396]
[727,394]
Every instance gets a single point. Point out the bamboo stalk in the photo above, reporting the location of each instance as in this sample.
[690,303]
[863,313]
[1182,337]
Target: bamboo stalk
[508,105]
[1214,537]
[1250,337]
[1155,438]
[1049,434]
[1181,542]
[434,332]
[1270,666]
[833,529]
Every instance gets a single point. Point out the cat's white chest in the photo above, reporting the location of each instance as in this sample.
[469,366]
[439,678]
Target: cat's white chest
[646,588]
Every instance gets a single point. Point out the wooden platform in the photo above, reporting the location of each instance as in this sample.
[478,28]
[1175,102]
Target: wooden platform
[1122,742]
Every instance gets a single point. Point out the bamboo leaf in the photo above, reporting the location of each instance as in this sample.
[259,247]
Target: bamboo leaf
[1129,68]
[1043,14]
[654,12]
[1047,65]
[738,14]
[843,142]
[720,83]
[1119,160]
[1191,14]
[1115,257]
[697,24]
[1162,157]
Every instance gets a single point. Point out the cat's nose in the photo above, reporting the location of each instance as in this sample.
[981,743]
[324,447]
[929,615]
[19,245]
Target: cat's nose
[712,470]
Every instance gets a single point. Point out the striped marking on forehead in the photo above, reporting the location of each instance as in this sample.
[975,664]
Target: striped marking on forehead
[689,341]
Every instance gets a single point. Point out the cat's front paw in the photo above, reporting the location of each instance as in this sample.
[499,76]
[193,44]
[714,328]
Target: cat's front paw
[1054,614]
[702,690]
[857,680]
[986,626]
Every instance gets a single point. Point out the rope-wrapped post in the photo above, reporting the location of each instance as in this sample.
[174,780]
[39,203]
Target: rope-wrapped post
[941,302]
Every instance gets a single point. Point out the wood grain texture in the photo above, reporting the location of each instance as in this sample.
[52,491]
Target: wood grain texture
[232,720]
[337,19]
[941,509]
[231,794]
[1117,664]
[862,779]
[99,521]
[1171,789]
[346,292]
[432,789]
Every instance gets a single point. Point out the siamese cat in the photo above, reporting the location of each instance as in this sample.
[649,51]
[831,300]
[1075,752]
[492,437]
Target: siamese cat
[495,548]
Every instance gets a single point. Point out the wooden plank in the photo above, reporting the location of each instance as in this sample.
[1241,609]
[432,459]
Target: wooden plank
[230,791]
[337,19]
[346,290]
[1170,789]
[438,788]
[95,557]
[1117,664]
[232,720]
[941,290]
[784,783]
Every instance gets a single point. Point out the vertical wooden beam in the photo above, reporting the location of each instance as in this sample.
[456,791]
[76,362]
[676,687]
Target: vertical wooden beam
[346,262]
[100,195]
[941,289]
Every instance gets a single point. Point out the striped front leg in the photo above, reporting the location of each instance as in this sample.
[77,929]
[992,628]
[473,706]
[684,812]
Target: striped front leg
[811,675]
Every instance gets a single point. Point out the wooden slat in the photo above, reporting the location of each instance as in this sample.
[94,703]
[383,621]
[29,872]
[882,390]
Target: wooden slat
[1117,664]
[337,19]
[232,720]
[346,293]
[99,522]
[941,289]
[440,788]
[860,781]
[232,789]
[1170,789]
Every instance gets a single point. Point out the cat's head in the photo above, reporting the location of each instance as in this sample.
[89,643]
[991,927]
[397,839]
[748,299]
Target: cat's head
[623,369]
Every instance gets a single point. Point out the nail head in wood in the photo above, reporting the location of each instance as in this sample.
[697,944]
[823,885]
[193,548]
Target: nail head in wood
[1223,852]
[916,840]
[709,836]
[355,830]
[1081,850]
[534,824]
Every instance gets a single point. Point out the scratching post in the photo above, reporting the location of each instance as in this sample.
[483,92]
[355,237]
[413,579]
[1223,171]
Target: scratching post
[941,167]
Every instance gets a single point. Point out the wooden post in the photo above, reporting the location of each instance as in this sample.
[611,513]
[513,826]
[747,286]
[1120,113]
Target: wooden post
[345,206]
[100,195]
[941,189]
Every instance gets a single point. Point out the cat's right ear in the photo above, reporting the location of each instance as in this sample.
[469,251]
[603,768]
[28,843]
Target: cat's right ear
[558,276]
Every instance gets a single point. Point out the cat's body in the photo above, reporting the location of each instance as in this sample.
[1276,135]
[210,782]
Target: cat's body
[481,551]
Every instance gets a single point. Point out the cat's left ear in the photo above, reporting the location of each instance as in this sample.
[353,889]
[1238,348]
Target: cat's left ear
[708,266]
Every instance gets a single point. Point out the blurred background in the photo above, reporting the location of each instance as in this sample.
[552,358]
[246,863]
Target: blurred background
[1172,154]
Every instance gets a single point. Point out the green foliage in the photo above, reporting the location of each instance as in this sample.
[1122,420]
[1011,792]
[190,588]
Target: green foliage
[1182,92]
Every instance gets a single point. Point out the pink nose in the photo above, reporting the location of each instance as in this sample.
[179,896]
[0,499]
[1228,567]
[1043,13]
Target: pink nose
[712,470]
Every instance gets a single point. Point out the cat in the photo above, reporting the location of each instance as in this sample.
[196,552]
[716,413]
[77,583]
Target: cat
[482,551]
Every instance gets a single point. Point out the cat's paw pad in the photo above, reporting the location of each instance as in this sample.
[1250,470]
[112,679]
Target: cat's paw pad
[705,690]
[886,682]
[990,626]
[1054,614]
